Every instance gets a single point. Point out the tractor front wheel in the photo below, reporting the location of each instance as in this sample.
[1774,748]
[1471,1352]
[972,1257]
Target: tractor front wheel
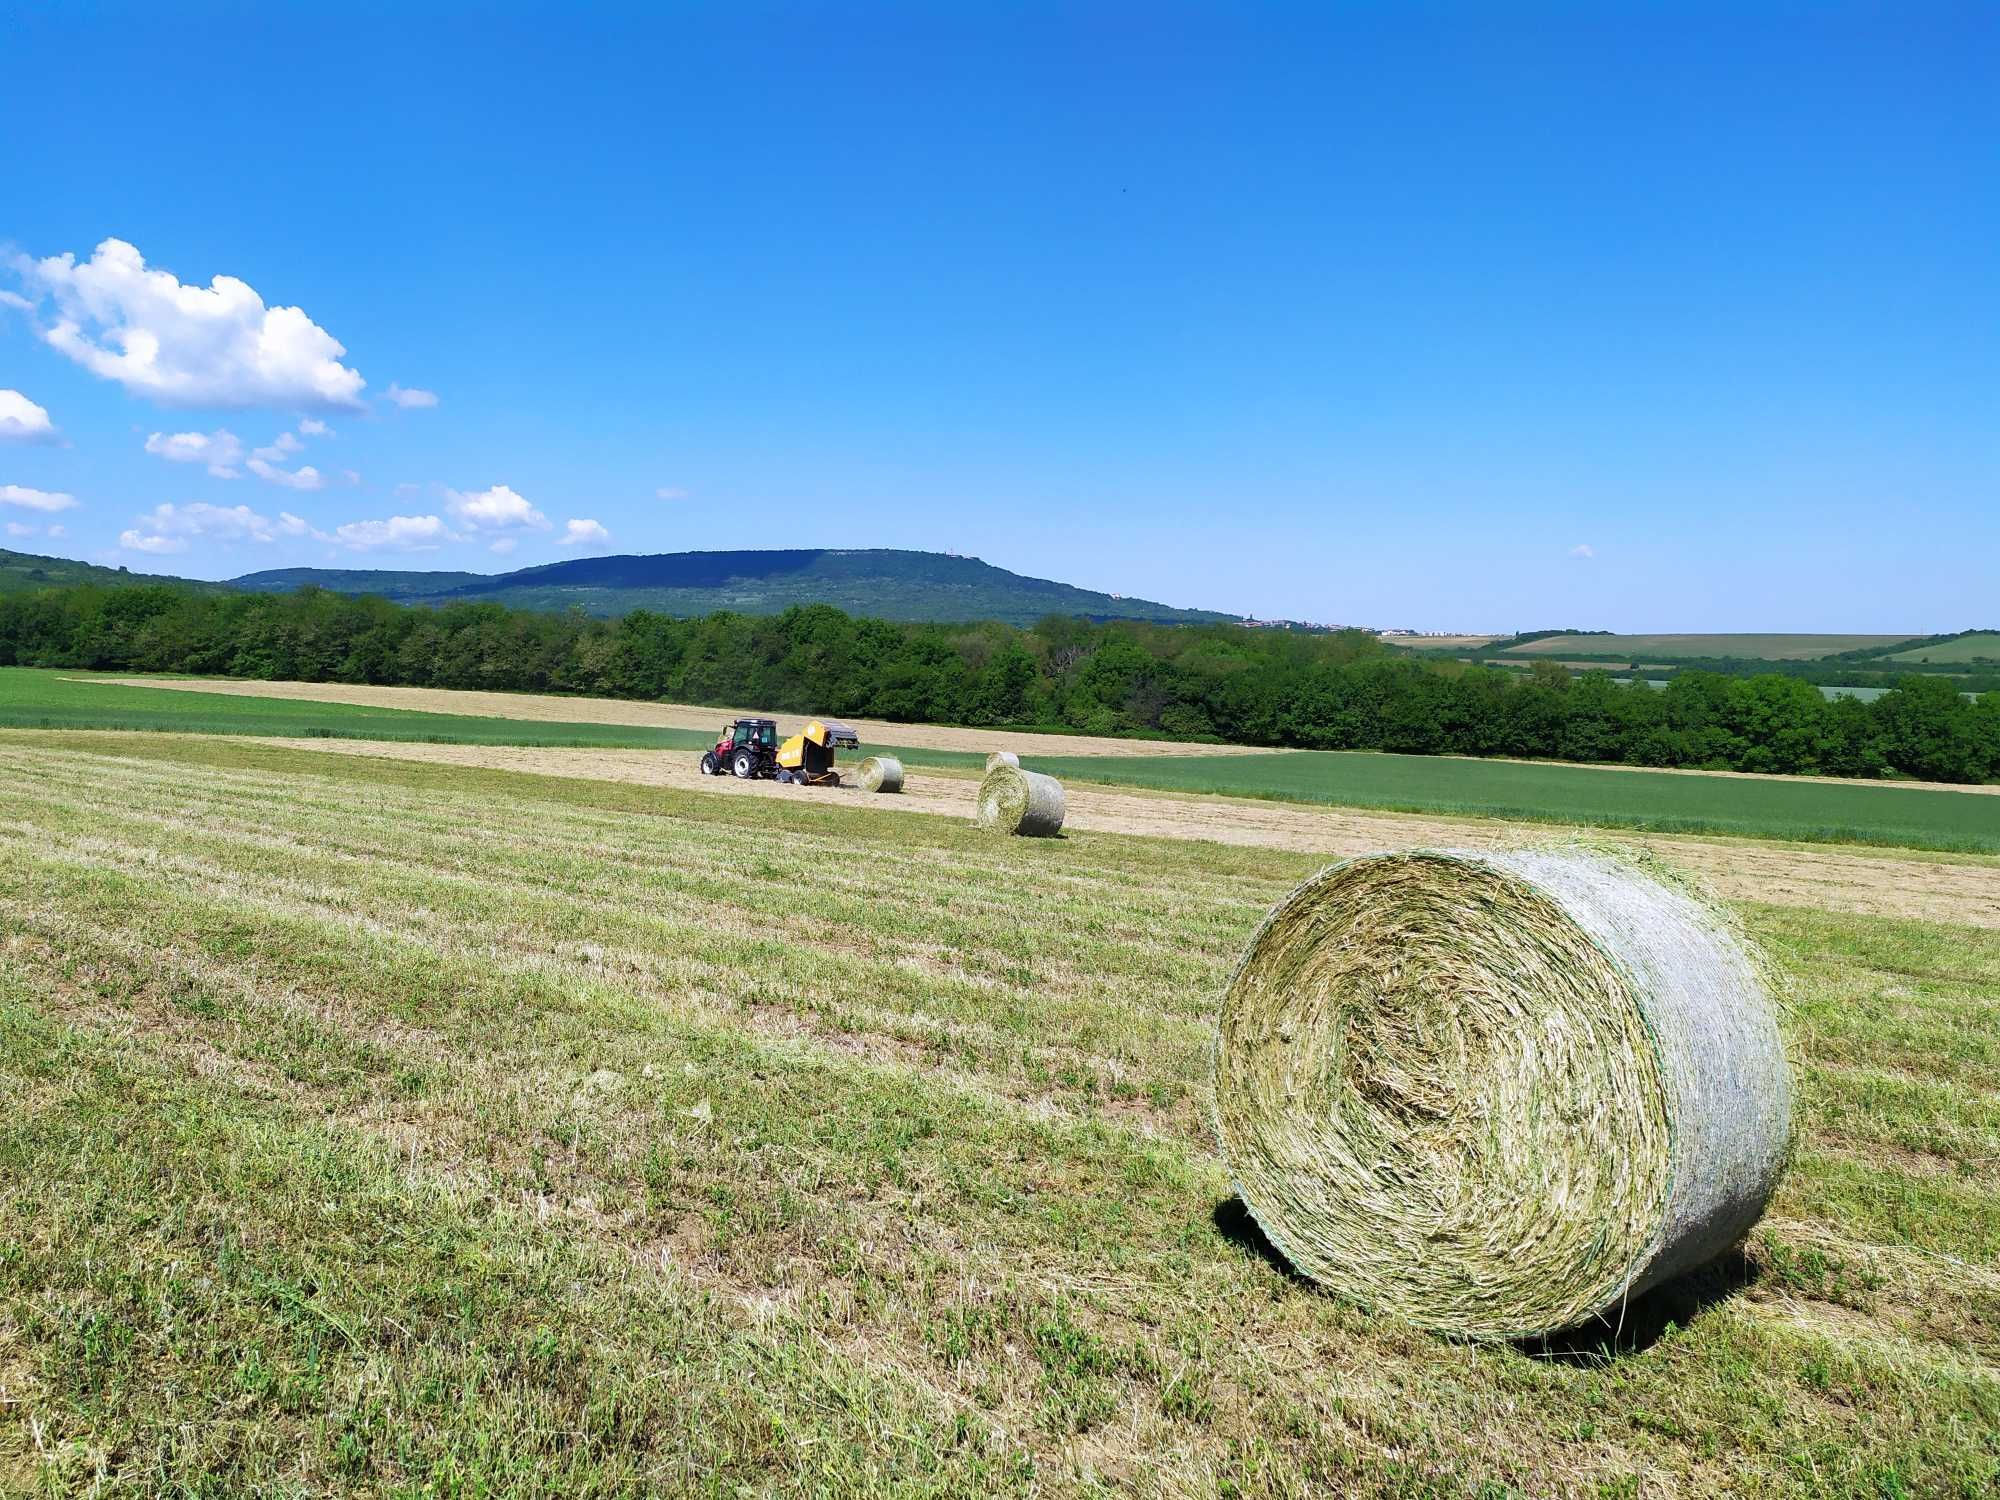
[709,765]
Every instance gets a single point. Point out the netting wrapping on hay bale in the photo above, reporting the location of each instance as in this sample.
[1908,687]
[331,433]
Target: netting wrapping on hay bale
[879,773]
[1001,758]
[1500,1093]
[1012,800]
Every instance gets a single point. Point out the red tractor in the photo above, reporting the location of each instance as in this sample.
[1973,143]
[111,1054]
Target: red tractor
[748,748]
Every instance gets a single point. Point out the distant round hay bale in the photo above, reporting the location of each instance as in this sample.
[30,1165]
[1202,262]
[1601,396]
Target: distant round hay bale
[1001,758]
[879,773]
[1012,800]
[1499,1093]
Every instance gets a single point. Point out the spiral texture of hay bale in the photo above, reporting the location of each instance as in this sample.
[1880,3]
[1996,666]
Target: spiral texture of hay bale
[1500,1093]
[1012,800]
[879,773]
[1001,758]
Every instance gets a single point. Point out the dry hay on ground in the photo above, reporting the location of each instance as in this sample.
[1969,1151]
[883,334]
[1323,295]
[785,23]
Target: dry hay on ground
[1885,884]
[545,708]
[1499,1093]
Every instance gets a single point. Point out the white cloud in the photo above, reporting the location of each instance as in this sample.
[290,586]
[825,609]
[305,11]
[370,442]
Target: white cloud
[670,492]
[305,477]
[15,528]
[1583,549]
[283,446]
[216,523]
[313,427]
[187,345]
[495,509]
[503,546]
[401,533]
[408,397]
[22,421]
[50,500]
[58,531]
[352,476]
[139,541]
[585,533]
[220,450]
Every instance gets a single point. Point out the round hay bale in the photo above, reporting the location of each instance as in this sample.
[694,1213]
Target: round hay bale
[1500,1093]
[1001,758]
[879,773]
[1012,800]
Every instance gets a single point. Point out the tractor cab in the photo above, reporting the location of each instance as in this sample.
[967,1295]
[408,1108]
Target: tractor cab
[747,748]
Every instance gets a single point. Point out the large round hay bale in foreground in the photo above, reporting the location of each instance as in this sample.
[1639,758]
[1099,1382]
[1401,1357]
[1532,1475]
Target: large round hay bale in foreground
[1500,1093]
[1001,758]
[879,773]
[1012,800]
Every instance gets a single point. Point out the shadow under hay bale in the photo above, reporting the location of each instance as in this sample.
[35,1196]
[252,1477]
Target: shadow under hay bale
[1028,803]
[879,773]
[1500,1094]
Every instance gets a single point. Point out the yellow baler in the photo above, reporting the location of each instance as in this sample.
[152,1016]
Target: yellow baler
[807,756]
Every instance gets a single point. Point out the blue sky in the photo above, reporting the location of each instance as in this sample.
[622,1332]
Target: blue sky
[1453,317]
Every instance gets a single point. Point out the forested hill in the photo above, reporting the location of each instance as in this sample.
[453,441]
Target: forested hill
[21,572]
[880,582]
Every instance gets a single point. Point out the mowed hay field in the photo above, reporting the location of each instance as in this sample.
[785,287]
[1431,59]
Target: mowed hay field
[387,1127]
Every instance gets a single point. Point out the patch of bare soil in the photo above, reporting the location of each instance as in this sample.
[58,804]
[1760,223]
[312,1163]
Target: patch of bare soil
[1870,883]
[540,708]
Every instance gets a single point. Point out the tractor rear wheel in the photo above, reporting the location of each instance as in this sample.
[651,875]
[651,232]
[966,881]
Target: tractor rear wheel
[745,764]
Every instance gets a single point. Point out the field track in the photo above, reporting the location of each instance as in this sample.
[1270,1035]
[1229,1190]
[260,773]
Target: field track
[1931,888]
[542,708]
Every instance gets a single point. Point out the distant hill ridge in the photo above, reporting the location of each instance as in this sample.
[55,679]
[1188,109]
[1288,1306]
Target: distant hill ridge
[882,582]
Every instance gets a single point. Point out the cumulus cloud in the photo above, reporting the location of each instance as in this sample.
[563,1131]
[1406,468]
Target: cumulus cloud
[1583,549]
[670,492]
[15,528]
[305,477]
[584,533]
[220,450]
[497,509]
[22,421]
[48,500]
[409,397]
[503,546]
[58,531]
[399,533]
[182,344]
[280,448]
[139,541]
[313,427]
[216,523]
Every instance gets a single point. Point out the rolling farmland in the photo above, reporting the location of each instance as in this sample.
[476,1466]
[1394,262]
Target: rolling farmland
[1750,647]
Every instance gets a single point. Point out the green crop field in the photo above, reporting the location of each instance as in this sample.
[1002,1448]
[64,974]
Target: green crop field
[1981,646]
[1670,647]
[34,699]
[1797,808]
[383,1128]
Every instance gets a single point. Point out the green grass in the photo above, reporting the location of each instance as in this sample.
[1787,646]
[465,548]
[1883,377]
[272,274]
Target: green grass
[1800,808]
[37,699]
[384,1128]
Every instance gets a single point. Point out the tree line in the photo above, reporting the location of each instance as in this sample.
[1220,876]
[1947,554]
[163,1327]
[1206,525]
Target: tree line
[1335,691]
